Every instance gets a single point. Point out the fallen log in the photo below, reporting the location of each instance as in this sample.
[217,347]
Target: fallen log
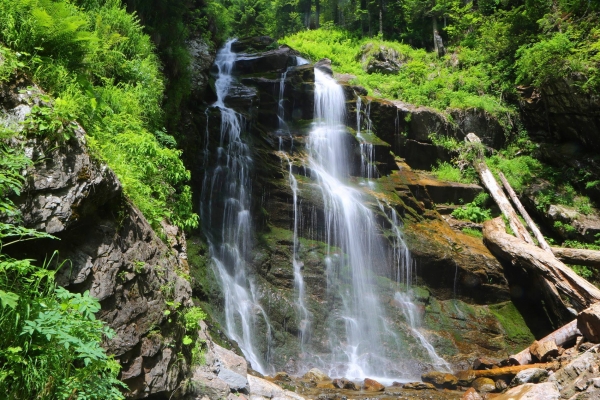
[560,336]
[589,258]
[561,278]
[513,196]
[512,370]
[488,180]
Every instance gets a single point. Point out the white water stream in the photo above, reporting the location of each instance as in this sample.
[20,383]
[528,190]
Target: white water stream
[359,332]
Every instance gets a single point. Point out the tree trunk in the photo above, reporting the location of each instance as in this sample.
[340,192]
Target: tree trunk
[558,276]
[590,258]
[513,370]
[488,180]
[536,232]
[381,18]
[317,13]
[435,47]
[560,337]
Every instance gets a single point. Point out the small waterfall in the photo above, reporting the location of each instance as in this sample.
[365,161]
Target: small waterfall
[411,313]
[367,151]
[228,184]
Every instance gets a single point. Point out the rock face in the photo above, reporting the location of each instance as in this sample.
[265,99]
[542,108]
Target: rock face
[561,111]
[112,251]
[371,385]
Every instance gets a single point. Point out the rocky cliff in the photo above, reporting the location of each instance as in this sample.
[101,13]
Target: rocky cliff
[460,288]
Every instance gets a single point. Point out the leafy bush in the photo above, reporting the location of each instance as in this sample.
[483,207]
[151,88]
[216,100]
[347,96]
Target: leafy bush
[99,68]
[448,172]
[472,212]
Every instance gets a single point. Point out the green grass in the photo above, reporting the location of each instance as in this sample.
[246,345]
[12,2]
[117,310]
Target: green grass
[473,232]
[423,80]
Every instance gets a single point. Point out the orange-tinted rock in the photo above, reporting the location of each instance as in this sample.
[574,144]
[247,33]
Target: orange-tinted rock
[371,385]
[441,380]
[418,386]
[484,385]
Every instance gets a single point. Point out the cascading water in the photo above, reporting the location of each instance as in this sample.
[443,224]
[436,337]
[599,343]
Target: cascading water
[367,151]
[228,183]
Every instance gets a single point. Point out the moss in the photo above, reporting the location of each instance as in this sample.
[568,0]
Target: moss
[517,332]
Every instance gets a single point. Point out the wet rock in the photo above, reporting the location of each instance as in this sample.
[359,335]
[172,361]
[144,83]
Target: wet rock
[471,394]
[282,377]
[316,375]
[324,65]
[441,380]
[325,385]
[397,384]
[484,385]
[418,386]
[588,322]
[371,385]
[484,363]
[344,383]
[465,378]
[530,391]
[270,61]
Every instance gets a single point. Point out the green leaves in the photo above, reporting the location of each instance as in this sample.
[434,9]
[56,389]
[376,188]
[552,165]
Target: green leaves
[8,299]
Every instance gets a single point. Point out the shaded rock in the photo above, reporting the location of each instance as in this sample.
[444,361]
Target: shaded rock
[440,379]
[324,65]
[270,61]
[501,385]
[371,385]
[484,385]
[316,375]
[206,384]
[418,386]
[471,394]
[344,383]
[235,381]
[201,58]
[253,44]
[588,322]
[484,363]
[579,370]
[530,391]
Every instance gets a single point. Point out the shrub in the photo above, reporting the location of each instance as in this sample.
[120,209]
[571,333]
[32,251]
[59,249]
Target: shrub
[472,212]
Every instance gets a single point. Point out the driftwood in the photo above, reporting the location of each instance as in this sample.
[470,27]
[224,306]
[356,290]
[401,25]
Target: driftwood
[558,276]
[512,370]
[590,258]
[488,180]
[560,336]
[513,196]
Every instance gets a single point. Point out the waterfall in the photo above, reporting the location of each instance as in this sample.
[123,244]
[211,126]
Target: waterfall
[367,151]
[227,182]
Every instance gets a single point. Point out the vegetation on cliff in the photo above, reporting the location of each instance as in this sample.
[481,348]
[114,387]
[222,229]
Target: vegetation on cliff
[100,69]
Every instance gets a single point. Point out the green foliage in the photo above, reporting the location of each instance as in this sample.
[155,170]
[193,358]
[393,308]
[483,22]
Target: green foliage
[447,142]
[100,69]
[472,212]
[424,79]
[564,227]
[582,271]
[50,347]
[473,232]
[520,171]
[191,319]
[448,172]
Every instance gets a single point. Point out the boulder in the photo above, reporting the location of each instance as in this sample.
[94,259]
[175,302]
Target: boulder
[465,378]
[418,386]
[253,44]
[282,377]
[316,375]
[344,383]
[380,59]
[324,65]
[484,385]
[263,389]
[484,363]
[371,385]
[501,385]
[471,394]
[530,391]
[588,322]
[441,380]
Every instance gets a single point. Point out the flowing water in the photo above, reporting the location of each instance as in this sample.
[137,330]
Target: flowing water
[227,182]
[360,337]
